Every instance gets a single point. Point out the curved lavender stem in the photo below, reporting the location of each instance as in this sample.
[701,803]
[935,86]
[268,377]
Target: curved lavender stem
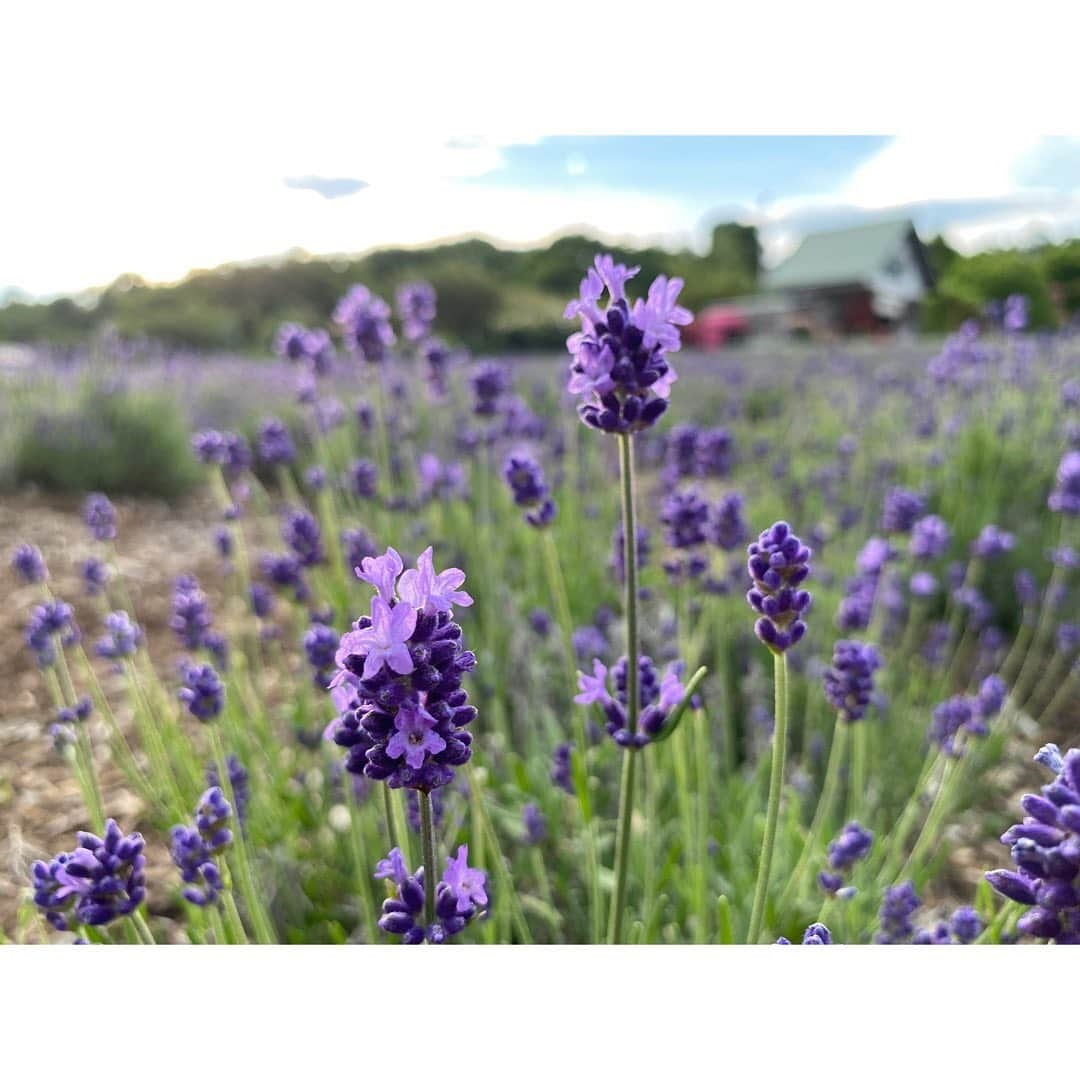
[776,785]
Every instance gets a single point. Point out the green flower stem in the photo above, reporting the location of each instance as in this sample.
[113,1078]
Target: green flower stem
[264,933]
[776,785]
[826,805]
[146,936]
[859,755]
[626,787]
[427,840]
[622,845]
[951,778]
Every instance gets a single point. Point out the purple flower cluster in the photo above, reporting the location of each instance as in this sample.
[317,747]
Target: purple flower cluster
[849,681]
[619,364]
[276,446]
[310,348]
[967,715]
[899,904]
[364,479]
[460,897]
[100,517]
[27,562]
[658,696]
[560,768]
[101,880]
[190,619]
[227,449]
[193,849]
[929,538]
[852,845]
[815,934]
[122,637]
[364,319]
[525,478]
[779,563]
[1065,498]
[300,530]
[1045,848]
[860,592]
[62,732]
[50,622]
[902,509]
[403,712]
[992,542]
[962,929]
[320,645]
[490,382]
[203,692]
[416,305]
[726,527]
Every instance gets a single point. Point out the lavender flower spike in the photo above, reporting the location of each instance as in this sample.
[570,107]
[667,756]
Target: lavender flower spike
[778,563]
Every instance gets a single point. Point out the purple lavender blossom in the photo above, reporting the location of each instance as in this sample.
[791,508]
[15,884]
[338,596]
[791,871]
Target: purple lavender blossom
[1045,849]
[619,364]
[849,682]
[726,526]
[190,620]
[28,563]
[490,381]
[658,697]
[364,320]
[897,907]
[902,508]
[929,538]
[193,849]
[560,768]
[416,305]
[100,517]
[525,478]
[398,685]
[300,530]
[535,824]
[50,622]
[778,563]
[684,515]
[202,692]
[364,479]
[460,897]
[122,637]
[815,934]
[275,443]
[103,879]
[992,542]
[1065,498]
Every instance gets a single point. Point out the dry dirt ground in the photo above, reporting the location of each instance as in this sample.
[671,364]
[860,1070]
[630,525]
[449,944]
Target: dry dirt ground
[40,805]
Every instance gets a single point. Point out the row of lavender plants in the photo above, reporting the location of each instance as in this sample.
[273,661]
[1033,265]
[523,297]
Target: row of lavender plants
[490,672]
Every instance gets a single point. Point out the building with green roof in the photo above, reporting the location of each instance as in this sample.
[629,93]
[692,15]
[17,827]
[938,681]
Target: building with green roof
[865,279]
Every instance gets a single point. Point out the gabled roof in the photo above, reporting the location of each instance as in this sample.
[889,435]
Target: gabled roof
[841,257]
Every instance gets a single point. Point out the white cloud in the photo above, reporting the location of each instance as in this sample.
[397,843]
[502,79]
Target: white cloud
[938,166]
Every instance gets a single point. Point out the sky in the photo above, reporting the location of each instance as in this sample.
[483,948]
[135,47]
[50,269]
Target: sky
[138,142]
[160,215]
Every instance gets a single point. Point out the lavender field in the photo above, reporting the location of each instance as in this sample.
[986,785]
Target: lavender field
[332,646]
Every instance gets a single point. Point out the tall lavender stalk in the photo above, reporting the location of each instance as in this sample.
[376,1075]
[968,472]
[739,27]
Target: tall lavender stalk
[778,564]
[620,368]
[626,784]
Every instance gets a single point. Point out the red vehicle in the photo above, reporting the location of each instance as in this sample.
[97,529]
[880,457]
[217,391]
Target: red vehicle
[716,325]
